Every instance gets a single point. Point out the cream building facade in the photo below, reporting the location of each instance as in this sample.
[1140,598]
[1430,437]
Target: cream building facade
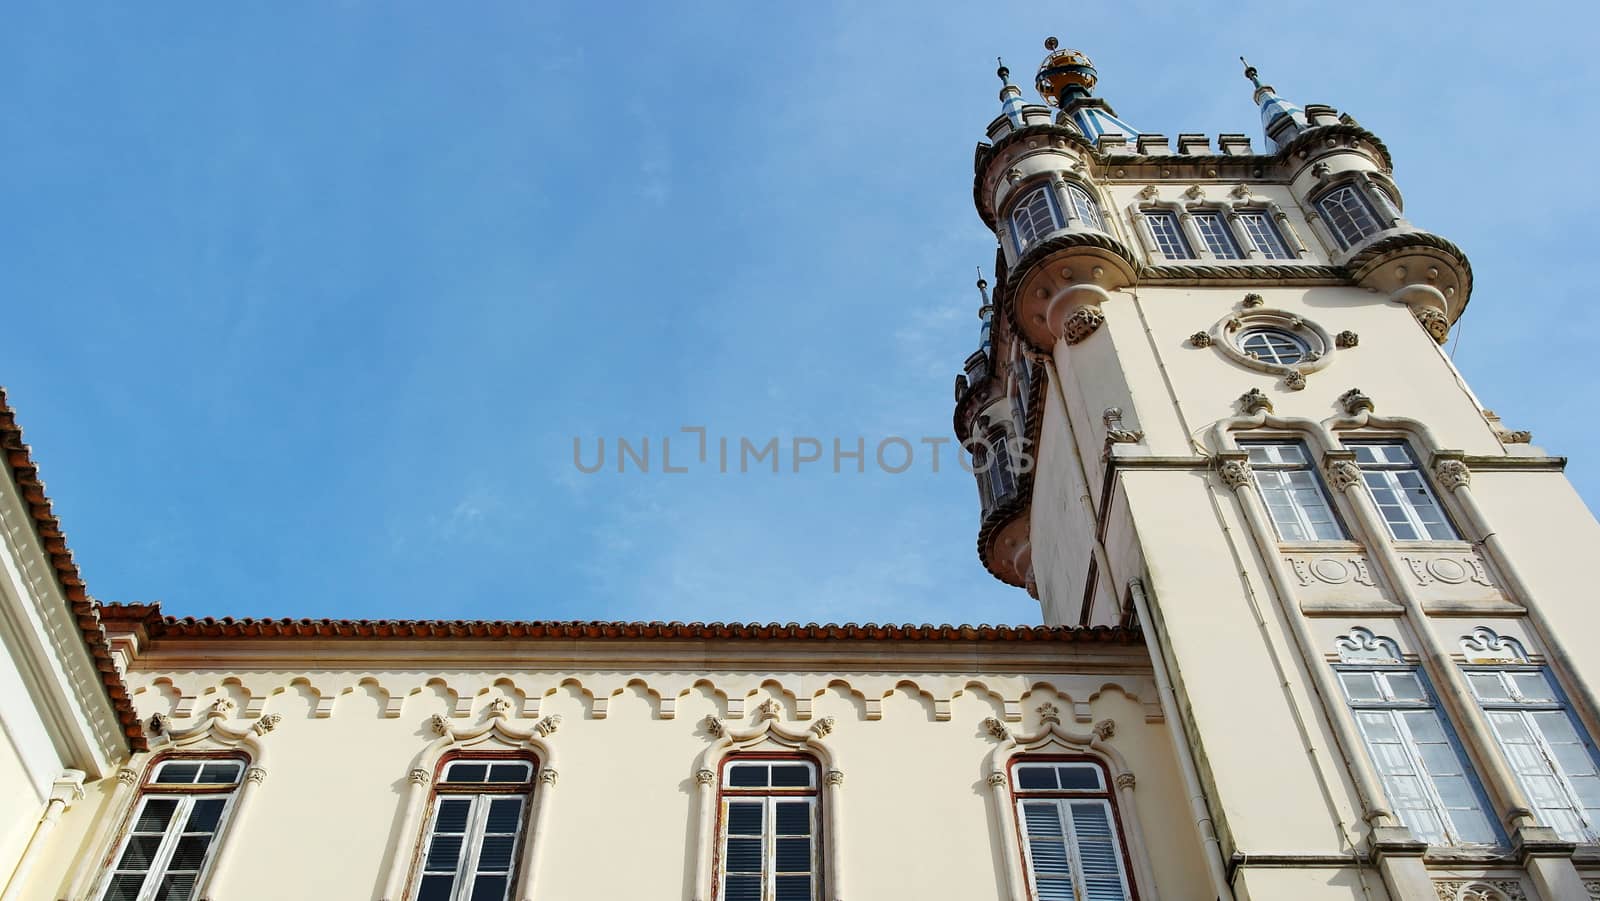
[1312,620]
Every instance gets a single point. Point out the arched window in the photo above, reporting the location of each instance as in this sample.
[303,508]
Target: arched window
[1033,217]
[1348,215]
[1070,840]
[474,830]
[170,840]
[771,830]
[1264,235]
[1085,207]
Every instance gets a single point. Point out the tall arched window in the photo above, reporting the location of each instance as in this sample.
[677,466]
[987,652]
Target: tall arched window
[1085,207]
[1034,216]
[475,829]
[169,842]
[771,830]
[1349,215]
[1070,840]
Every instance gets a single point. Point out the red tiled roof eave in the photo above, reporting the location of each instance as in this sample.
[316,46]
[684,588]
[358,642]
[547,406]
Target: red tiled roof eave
[228,628]
[85,610]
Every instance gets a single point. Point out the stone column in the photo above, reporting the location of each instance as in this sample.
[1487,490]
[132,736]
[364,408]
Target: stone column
[67,788]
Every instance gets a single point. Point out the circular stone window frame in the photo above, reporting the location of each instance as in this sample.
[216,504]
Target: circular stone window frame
[1318,342]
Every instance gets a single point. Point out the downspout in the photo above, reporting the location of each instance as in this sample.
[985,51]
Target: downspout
[1204,825]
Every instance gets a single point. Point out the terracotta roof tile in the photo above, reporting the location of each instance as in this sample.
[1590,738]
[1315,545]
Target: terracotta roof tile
[85,610]
[157,626]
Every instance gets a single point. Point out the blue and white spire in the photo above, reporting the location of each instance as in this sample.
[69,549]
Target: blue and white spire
[1010,95]
[1280,119]
[1066,79]
[985,313]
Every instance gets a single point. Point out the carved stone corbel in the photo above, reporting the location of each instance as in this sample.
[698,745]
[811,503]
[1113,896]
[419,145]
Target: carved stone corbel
[1082,323]
[1354,401]
[1452,474]
[1235,473]
[1255,401]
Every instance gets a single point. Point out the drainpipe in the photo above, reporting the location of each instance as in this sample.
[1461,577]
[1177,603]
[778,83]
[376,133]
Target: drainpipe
[1204,826]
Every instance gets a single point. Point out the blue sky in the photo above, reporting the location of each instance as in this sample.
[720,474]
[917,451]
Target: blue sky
[308,301]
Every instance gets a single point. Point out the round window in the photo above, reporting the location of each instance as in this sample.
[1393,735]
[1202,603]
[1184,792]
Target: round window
[1270,345]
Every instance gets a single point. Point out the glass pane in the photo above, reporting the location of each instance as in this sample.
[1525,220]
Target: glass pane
[796,776]
[1487,687]
[1042,819]
[744,888]
[178,773]
[1405,687]
[176,887]
[748,776]
[141,850]
[744,855]
[794,888]
[490,888]
[1034,778]
[1080,778]
[155,816]
[504,815]
[124,888]
[745,817]
[1360,686]
[1533,686]
[436,888]
[191,852]
[204,815]
[453,813]
[495,854]
[794,818]
[1377,727]
[219,774]
[466,772]
[444,852]
[794,855]
[509,772]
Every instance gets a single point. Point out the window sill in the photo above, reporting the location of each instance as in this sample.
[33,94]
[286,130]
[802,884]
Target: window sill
[1336,546]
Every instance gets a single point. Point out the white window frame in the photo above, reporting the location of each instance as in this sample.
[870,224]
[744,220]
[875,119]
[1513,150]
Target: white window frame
[1269,469]
[173,833]
[1386,475]
[466,872]
[1063,800]
[1302,346]
[1347,204]
[769,797]
[1582,823]
[1392,707]
[1026,204]
[1168,237]
[1258,224]
[1219,235]
[1086,207]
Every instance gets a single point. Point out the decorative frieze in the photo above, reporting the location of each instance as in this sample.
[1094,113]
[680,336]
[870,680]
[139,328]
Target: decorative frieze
[1480,890]
[1330,569]
[1453,569]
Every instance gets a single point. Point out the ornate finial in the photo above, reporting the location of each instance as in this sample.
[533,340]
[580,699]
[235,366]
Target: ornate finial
[439,724]
[159,723]
[1050,43]
[1049,713]
[822,727]
[1354,401]
[1105,729]
[769,710]
[996,728]
[266,724]
[1250,72]
[1254,401]
[547,726]
[715,726]
[1002,72]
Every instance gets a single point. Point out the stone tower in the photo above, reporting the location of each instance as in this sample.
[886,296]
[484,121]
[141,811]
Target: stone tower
[1210,399]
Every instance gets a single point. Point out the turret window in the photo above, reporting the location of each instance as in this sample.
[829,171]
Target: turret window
[1086,209]
[1270,345]
[1263,234]
[1214,231]
[1348,215]
[1401,493]
[1292,492]
[1168,235]
[1034,216]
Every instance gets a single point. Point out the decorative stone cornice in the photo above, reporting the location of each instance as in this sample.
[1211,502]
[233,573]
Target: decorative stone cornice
[1243,273]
